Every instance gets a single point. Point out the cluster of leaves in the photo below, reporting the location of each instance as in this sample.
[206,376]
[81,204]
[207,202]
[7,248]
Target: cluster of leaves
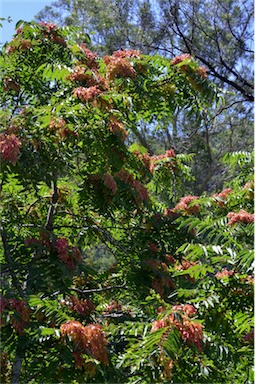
[70,182]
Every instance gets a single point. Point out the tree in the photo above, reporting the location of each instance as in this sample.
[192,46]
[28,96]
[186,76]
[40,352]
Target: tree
[218,33]
[70,181]
[110,24]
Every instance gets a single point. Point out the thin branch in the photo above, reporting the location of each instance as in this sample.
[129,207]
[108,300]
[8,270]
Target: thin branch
[182,35]
[223,62]
[34,203]
[95,290]
[16,105]
[1,185]
[223,109]
[214,117]
[108,237]
[116,315]
[248,95]
[52,208]
[238,39]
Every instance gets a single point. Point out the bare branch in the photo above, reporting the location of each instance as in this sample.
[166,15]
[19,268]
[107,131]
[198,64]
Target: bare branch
[117,315]
[224,109]
[248,96]
[190,49]
[16,105]
[231,70]
[95,290]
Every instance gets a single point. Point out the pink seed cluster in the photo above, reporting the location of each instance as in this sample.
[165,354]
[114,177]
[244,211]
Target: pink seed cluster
[222,195]
[153,247]
[71,256]
[118,67]
[90,57]
[200,71]
[21,315]
[87,94]
[184,205]
[86,338]
[83,307]
[190,331]
[224,273]
[188,309]
[240,217]
[9,148]
[126,53]
[150,162]
[50,31]
[179,59]
[249,337]
[110,183]
[161,272]
[128,178]
[114,306]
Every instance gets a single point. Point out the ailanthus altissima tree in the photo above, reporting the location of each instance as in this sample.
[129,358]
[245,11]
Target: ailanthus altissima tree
[175,306]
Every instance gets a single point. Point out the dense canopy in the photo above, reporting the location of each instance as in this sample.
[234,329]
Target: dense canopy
[112,271]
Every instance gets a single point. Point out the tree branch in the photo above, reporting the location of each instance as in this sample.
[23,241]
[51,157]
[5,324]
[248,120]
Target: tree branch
[17,365]
[247,95]
[223,109]
[16,105]
[223,62]
[116,315]
[107,236]
[95,290]
[191,51]
[34,203]
[52,208]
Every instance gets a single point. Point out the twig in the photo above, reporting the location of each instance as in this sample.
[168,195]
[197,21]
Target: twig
[116,315]
[108,237]
[226,108]
[52,208]
[34,203]
[248,95]
[87,291]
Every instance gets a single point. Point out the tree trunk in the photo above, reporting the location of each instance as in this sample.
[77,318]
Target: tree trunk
[16,369]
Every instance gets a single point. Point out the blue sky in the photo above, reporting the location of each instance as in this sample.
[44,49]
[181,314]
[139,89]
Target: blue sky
[18,10]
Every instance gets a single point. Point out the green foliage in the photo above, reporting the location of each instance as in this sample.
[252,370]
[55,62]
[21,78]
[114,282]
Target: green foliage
[105,276]
[218,35]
